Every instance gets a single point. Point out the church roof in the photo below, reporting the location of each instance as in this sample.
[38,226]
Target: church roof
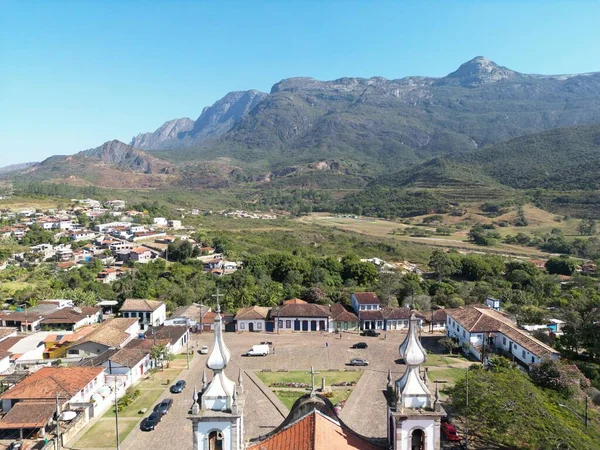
[318,428]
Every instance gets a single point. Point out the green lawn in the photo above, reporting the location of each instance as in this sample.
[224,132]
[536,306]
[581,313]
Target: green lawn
[289,397]
[103,433]
[434,359]
[304,377]
[446,375]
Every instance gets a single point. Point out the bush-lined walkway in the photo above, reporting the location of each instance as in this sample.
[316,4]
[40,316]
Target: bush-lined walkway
[103,433]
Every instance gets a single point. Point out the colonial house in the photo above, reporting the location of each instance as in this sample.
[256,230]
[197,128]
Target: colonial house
[365,301]
[148,312]
[132,361]
[174,337]
[72,384]
[30,405]
[388,319]
[302,317]
[208,322]
[342,319]
[436,319]
[113,333]
[71,319]
[252,318]
[485,330]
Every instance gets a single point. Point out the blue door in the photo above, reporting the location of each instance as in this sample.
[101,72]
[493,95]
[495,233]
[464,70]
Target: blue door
[297,325]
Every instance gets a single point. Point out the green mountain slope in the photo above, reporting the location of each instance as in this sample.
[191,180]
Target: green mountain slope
[560,159]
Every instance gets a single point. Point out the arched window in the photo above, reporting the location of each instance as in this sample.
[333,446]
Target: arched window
[215,440]
[417,439]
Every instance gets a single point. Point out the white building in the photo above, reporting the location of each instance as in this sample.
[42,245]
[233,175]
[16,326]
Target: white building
[489,331]
[252,318]
[148,312]
[217,418]
[414,422]
[160,221]
[365,301]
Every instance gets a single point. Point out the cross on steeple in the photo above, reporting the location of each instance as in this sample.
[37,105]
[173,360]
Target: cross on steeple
[217,295]
[312,380]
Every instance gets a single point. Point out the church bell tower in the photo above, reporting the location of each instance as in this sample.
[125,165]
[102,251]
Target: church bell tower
[414,415]
[216,414]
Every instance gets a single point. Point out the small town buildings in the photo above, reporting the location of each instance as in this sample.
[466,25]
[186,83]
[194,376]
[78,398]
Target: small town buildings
[342,319]
[174,337]
[302,317]
[71,385]
[483,331]
[387,319]
[175,224]
[493,303]
[189,316]
[365,301]
[113,333]
[149,313]
[160,221]
[56,345]
[436,319]
[131,361]
[252,318]
[71,319]
[140,255]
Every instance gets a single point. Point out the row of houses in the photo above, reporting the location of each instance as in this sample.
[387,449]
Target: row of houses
[366,313]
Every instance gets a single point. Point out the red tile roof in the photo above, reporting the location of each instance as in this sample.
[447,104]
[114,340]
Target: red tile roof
[340,314]
[366,298]
[315,431]
[28,415]
[303,310]
[46,382]
[252,313]
[140,304]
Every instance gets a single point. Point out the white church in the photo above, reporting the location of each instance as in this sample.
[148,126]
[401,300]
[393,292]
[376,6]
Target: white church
[414,414]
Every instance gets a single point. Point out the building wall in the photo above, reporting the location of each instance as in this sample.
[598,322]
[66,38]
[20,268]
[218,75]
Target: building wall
[336,326]
[87,349]
[257,325]
[4,364]
[305,323]
[405,428]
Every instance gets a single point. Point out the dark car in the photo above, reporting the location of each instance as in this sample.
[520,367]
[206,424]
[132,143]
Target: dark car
[371,333]
[164,406]
[178,387]
[449,431]
[360,345]
[359,362]
[151,421]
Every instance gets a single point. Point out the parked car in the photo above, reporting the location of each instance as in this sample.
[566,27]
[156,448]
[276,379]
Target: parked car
[258,350]
[360,345]
[359,362]
[164,406]
[371,333]
[449,431]
[151,421]
[203,350]
[178,387]
[16,445]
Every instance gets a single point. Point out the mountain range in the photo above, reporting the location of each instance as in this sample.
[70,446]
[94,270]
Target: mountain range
[357,131]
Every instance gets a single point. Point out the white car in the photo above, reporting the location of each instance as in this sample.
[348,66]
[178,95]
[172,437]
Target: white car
[204,350]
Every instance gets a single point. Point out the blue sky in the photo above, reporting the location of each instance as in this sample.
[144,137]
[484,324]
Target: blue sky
[74,74]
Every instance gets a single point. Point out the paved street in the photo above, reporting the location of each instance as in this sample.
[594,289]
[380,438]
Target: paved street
[365,410]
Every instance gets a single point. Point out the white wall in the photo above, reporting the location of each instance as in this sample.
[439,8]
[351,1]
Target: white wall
[405,428]
[244,325]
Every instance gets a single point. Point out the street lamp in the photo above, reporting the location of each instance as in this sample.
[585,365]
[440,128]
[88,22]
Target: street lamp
[585,417]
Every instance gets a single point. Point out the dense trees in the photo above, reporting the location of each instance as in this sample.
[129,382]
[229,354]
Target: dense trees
[506,408]
[180,250]
[561,265]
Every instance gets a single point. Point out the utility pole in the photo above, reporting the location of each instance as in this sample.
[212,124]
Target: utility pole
[117,416]
[58,444]
[187,349]
[467,415]
[585,420]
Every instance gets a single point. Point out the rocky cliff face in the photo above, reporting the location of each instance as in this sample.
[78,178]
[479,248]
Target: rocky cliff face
[125,157]
[169,131]
[215,121]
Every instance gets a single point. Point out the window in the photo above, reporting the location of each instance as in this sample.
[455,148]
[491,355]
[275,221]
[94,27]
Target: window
[345,325]
[288,324]
[259,325]
[242,326]
[280,324]
[523,354]
[464,335]
[504,340]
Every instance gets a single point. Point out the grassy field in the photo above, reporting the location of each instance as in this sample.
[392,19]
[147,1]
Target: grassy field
[446,376]
[444,360]
[540,222]
[289,397]
[103,433]
[304,377]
